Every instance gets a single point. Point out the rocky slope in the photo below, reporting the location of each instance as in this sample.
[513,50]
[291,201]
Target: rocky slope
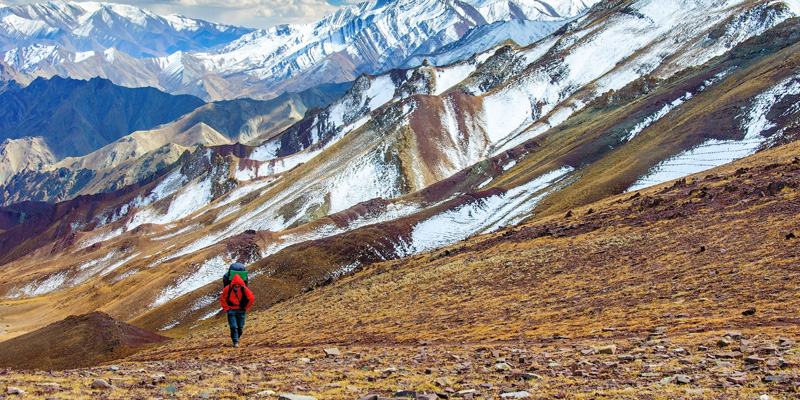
[32,171]
[50,120]
[414,160]
[648,295]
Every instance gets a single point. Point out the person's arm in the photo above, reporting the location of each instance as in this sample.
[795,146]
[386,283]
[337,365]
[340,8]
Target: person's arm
[222,299]
[250,298]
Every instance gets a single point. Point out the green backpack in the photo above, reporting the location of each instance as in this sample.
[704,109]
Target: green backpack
[242,274]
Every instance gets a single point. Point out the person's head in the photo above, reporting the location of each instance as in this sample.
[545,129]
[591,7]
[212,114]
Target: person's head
[237,282]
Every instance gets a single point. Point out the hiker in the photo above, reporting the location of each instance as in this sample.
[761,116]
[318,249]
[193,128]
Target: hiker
[236,300]
[238,268]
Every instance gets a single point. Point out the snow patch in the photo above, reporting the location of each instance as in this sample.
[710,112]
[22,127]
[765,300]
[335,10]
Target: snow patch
[713,152]
[83,56]
[449,77]
[483,215]
[190,199]
[209,272]
[47,285]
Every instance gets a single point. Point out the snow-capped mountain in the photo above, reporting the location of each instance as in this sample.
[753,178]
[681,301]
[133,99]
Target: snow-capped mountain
[84,27]
[632,93]
[368,38]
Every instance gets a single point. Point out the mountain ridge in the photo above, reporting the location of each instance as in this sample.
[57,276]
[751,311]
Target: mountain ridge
[263,64]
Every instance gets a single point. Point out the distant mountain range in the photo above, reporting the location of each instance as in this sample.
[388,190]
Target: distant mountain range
[79,28]
[630,94]
[57,135]
[178,55]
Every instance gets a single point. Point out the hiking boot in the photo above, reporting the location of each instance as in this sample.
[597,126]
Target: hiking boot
[235,344]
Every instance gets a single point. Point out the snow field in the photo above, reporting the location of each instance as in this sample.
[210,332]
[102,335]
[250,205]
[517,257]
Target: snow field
[481,216]
[189,199]
[713,153]
[449,77]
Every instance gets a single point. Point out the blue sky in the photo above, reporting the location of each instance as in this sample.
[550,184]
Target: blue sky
[249,13]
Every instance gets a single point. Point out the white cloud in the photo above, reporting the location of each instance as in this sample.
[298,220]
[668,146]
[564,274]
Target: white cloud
[262,14]
[251,13]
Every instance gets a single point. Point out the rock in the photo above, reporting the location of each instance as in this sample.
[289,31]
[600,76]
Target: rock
[733,335]
[749,311]
[737,379]
[463,393]
[371,396]
[101,384]
[529,377]
[785,342]
[683,379]
[772,379]
[730,354]
[12,390]
[588,352]
[724,342]
[502,367]
[305,360]
[427,396]
[753,360]
[406,394]
[171,389]
[610,349]
[443,381]
[609,329]
[332,352]
[650,375]
[287,396]
[207,395]
[515,395]
[768,350]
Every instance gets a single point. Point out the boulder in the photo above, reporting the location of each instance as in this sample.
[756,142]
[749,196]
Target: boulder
[332,352]
[610,349]
[287,396]
[101,384]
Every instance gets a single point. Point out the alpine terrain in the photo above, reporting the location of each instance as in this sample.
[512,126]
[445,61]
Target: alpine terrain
[609,209]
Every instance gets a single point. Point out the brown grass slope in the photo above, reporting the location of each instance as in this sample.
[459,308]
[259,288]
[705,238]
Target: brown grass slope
[77,341]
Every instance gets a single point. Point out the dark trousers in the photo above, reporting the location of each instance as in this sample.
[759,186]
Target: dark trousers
[236,322]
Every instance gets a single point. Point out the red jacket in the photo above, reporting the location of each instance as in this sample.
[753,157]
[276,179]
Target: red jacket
[233,299]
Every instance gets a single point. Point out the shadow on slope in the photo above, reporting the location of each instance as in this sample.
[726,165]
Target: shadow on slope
[75,342]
